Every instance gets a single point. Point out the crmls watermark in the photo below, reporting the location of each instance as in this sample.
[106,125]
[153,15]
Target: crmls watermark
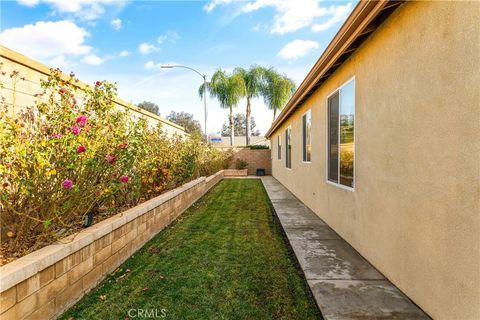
[147,313]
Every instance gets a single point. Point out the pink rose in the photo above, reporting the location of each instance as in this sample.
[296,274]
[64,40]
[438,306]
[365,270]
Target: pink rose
[62,91]
[81,149]
[81,121]
[98,83]
[110,158]
[123,179]
[75,130]
[67,184]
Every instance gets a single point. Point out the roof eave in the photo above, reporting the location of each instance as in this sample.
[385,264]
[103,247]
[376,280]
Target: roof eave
[359,23]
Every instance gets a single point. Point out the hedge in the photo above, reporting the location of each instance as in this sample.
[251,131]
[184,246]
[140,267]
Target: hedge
[64,161]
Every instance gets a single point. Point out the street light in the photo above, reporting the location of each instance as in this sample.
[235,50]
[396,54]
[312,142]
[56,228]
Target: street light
[167,66]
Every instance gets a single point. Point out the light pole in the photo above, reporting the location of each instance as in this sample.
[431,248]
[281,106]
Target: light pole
[167,66]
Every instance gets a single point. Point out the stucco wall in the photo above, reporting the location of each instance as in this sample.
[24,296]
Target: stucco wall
[415,211]
[20,91]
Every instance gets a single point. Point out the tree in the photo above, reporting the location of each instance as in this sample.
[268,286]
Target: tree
[252,84]
[149,106]
[228,90]
[240,126]
[276,90]
[185,120]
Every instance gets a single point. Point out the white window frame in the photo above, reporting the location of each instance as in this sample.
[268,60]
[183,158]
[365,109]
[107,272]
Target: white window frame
[338,184]
[304,146]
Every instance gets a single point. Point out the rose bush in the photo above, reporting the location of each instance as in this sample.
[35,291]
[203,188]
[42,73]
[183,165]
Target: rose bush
[63,160]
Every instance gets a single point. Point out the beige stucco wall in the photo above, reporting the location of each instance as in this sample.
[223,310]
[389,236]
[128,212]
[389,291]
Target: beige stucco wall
[415,211]
[20,91]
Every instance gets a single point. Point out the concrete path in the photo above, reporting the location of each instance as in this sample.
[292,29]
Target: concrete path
[343,283]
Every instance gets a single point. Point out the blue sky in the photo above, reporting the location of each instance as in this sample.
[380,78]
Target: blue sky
[127,41]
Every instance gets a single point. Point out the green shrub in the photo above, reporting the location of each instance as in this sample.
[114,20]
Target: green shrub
[63,160]
[258,147]
[240,164]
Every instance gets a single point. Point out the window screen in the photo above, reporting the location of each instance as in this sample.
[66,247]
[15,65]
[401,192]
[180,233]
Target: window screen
[333,102]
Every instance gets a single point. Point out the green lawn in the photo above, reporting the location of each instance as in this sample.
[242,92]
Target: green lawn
[224,258]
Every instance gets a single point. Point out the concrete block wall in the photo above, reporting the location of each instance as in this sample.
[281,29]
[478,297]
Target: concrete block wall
[255,158]
[43,284]
[20,93]
[236,173]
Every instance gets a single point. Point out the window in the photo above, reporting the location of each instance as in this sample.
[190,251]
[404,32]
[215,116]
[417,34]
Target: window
[288,148]
[341,129]
[279,147]
[307,138]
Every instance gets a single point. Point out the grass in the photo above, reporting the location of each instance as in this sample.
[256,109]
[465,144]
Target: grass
[224,258]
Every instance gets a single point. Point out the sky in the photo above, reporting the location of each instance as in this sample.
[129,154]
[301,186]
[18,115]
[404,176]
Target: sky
[127,41]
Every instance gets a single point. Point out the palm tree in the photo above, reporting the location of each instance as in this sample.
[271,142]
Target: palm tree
[252,83]
[228,90]
[276,90]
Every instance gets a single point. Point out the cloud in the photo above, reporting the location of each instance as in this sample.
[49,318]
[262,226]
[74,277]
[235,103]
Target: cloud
[214,3]
[150,65]
[169,36]
[46,40]
[257,27]
[61,62]
[297,49]
[146,48]
[83,9]
[116,24]
[28,3]
[290,15]
[339,14]
[93,60]
[124,53]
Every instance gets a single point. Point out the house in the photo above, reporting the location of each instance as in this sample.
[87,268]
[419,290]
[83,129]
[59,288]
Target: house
[382,141]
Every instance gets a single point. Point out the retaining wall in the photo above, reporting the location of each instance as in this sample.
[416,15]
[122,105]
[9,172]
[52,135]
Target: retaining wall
[43,284]
[236,173]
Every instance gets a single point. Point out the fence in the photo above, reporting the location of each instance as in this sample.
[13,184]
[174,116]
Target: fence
[20,85]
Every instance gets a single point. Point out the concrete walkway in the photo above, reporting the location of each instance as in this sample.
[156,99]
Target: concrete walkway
[343,283]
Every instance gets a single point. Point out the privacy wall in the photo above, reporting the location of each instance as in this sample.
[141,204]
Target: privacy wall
[255,158]
[20,79]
